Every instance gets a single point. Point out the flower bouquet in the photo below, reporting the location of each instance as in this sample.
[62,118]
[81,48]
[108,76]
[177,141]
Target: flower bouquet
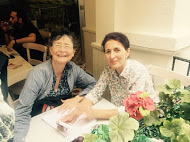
[167,121]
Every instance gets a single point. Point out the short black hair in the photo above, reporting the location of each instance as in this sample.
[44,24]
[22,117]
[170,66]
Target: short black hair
[118,37]
[21,14]
[58,33]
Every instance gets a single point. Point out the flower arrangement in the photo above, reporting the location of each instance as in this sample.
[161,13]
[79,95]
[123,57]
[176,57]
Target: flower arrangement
[168,121]
[139,105]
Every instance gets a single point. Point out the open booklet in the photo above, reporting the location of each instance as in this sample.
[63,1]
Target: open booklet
[78,128]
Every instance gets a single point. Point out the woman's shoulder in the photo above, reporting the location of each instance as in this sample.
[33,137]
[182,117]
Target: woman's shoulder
[136,65]
[72,66]
[45,66]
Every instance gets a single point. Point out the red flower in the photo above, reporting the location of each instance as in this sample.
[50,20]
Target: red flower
[133,103]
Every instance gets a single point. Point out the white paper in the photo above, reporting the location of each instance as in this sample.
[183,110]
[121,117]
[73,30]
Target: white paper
[78,128]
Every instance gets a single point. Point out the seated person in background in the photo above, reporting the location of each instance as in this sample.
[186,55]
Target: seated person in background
[6,120]
[23,32]
[52,80]
[123,76]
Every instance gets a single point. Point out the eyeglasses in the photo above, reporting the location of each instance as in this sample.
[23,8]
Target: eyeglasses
[60,46]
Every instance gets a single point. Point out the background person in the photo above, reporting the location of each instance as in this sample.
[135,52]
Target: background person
[123,76]
[23,32]
[51,81]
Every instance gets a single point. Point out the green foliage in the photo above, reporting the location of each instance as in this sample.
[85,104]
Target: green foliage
[144,112]
[185,108]
[169,122]
[177,129]
[144,95]
[98,135]
[149,131]
[186,96]
[171,95]
[122,128]
[141,139]
[152,119]
[174,84]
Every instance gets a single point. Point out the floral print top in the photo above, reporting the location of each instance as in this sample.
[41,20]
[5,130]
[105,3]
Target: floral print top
[134,77]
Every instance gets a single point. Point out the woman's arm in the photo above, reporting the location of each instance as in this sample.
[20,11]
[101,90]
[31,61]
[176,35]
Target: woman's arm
[70,103]
[82,107]
[85,106]
[101,113]
[85,80]
[27,97]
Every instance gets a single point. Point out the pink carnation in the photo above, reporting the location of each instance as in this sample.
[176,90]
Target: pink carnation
[133,103]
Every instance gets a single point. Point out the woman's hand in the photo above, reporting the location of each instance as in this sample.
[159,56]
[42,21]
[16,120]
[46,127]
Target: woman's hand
[70,103]
[84,106]
[72,117]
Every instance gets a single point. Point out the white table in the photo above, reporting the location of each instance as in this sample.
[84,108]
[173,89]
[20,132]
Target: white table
[20,73]
[40,131]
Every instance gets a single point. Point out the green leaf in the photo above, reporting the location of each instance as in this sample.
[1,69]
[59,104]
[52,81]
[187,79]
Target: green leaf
[165,132]
[185,136]
[163,96]
[174,84]
[171,128]
[177,129]
[186,97]
[165,89]
[187,130]
[143,111]
[182,138]
[104,131]
[144,95]
[122,128]
[153,118]
[185,108]
[142,139]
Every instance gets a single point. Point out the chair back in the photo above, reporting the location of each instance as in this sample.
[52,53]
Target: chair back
[161,75]
[45,34]
[38,47]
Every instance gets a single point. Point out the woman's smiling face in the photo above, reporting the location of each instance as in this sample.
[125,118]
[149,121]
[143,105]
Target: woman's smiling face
[62,50]
[116,55]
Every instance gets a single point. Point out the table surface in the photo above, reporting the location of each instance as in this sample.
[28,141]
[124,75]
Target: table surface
[17,74]
[40,131]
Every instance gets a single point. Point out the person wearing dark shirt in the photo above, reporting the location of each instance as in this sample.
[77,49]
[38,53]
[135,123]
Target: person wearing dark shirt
[23,32]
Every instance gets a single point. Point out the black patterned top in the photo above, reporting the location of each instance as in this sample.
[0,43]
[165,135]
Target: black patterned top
[63,87]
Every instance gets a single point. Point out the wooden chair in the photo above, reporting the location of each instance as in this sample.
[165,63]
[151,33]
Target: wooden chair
[161,75]
[38,47]
[45,34]
[15,89]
